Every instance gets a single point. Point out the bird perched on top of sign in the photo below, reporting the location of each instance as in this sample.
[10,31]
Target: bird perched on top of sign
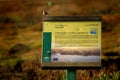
[44,13]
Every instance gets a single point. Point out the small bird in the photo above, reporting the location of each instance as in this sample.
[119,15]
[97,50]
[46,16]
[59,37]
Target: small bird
[44,13]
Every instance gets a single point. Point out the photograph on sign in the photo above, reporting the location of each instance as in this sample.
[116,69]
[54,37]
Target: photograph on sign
[71,42]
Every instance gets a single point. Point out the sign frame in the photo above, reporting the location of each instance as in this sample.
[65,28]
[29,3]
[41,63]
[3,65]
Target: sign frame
[47,43]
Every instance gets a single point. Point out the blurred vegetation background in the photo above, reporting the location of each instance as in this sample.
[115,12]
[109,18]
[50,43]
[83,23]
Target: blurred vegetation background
[21,33]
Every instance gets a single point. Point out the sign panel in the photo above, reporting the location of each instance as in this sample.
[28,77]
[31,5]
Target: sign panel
[71,41]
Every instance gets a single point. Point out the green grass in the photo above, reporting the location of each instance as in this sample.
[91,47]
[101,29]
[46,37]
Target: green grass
[112,76]
[9,62]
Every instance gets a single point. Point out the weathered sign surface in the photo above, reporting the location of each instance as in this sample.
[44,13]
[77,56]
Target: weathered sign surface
[71,41]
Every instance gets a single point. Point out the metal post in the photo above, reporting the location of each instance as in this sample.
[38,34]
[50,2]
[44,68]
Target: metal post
[71,74]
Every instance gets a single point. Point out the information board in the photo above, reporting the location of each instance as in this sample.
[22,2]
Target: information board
[71,42]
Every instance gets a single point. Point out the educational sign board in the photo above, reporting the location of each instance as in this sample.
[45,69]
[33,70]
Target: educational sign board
[71,42]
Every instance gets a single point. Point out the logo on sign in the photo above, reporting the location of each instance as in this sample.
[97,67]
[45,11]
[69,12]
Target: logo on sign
[46,58]
[94,31]
[55,59]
